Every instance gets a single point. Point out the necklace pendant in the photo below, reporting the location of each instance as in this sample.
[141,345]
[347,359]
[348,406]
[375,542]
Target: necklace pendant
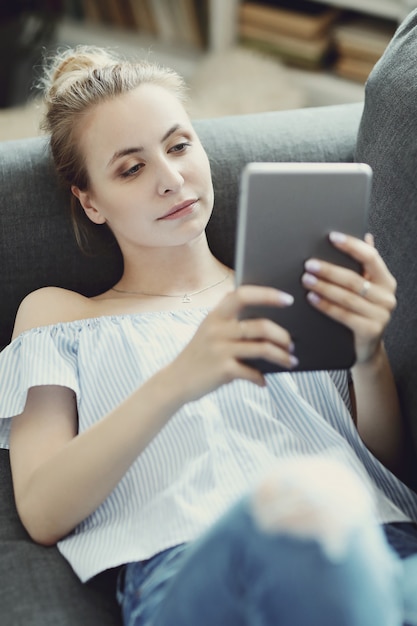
[186,298]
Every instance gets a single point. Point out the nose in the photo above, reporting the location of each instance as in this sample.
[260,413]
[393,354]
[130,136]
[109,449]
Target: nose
[170,179]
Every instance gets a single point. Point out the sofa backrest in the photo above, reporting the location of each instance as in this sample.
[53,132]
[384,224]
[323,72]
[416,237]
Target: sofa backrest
[387,140]
[37,247]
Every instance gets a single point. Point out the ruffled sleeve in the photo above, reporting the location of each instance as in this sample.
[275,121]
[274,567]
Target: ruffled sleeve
[41,356]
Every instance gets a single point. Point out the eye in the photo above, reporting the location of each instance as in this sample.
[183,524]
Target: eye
[180,147]
[131,171]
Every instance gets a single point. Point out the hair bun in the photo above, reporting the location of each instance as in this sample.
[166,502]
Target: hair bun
[74,63]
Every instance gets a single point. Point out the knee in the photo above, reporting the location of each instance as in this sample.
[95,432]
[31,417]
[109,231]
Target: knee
[313,498]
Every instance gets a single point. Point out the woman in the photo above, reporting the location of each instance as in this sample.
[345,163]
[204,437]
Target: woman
[140,440]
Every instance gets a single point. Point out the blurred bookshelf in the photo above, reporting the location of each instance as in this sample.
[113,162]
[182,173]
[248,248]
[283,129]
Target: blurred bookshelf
[390,9]
[174,32]
[179,56]
[338,38]
[329,47]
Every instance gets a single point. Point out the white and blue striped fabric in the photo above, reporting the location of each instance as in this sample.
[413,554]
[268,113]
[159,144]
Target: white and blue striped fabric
[211,451]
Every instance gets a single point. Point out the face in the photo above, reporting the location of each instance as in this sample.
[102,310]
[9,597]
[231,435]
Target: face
[150,178]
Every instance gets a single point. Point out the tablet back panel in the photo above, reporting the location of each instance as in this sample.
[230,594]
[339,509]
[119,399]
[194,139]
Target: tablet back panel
[286,212]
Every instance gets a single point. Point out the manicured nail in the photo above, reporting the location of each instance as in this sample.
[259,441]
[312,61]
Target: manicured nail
[285,298]
[309,279]
[294,361]
[336,237]
[312,265]
[291,347]
[313,297]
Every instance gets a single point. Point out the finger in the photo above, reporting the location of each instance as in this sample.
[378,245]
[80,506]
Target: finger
[252,295]
[267,351]
[262,338]
[369,238]
[374,267]
[251,374]
[350,290]
[263,330]
[362,325]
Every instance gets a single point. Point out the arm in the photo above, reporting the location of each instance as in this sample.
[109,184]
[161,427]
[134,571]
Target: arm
[379,419]
[338,293]
[60,477]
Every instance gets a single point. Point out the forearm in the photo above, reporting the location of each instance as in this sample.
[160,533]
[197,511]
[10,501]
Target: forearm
[378,412]
[72,483]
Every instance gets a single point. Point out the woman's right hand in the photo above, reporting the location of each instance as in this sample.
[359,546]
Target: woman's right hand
[216,354]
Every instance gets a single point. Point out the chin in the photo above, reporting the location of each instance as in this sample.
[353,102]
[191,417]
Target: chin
[194,235]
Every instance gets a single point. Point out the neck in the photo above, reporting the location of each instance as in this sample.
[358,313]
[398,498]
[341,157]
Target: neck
[172,270]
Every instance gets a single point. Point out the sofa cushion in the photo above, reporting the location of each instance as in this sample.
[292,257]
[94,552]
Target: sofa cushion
[38,587]
[37,247]
[387,140]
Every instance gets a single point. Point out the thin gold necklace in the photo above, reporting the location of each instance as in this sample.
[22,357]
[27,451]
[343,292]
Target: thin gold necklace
[185,298]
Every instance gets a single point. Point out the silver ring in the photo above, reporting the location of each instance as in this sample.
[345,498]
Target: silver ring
[365,288]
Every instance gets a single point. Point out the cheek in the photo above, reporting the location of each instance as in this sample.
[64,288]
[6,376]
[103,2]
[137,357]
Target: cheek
[211,195]
[205,170]
[210,188]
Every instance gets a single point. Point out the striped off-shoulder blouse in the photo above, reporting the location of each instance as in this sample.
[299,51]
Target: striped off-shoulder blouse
[208,455]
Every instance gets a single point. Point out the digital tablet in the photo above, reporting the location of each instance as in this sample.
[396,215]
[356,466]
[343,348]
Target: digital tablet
[285,214]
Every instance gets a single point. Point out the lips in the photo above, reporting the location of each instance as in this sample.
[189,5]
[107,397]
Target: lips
[180,209]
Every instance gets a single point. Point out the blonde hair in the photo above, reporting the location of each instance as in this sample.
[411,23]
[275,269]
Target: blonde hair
[75,81]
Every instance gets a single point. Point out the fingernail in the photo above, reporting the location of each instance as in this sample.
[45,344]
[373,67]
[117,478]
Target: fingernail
[337,237]
[313,297]
[309,279]
[312,265]
[294,361]
[285,298]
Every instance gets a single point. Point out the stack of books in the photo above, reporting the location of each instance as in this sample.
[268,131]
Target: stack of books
[297,31]
[359,43]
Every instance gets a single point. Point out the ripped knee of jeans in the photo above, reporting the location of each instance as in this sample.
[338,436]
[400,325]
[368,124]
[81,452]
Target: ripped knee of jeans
[314,498]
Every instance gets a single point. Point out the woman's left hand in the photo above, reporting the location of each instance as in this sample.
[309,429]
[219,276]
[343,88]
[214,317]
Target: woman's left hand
[363,303]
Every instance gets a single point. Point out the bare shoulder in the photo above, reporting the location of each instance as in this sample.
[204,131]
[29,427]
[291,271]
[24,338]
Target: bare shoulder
[50,305]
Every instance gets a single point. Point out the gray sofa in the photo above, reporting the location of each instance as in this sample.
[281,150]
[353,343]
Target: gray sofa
[37,248]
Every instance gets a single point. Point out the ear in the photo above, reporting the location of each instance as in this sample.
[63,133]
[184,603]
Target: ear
[84,198]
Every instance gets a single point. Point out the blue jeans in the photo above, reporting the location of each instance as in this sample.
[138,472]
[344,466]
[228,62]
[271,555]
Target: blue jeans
[240,575]
[403,538]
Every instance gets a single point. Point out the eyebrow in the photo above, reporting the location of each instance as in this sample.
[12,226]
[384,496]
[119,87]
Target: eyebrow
[134,149]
